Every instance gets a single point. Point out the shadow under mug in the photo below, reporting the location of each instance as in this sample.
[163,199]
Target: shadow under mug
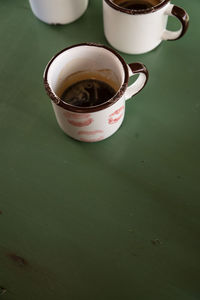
[58,11]
[94,123]
[140,31]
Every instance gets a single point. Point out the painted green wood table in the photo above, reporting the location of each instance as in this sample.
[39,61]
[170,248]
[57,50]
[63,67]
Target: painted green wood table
[114,220]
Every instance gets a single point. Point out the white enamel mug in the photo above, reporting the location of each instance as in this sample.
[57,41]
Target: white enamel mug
[140,31]
[94,123]
[58,11]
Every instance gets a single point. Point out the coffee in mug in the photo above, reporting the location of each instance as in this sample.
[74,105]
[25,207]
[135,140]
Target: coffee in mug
[137,4]
[86,89]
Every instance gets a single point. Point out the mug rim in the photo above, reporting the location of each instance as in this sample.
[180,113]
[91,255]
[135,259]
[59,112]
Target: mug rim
[58,101]
[139,11]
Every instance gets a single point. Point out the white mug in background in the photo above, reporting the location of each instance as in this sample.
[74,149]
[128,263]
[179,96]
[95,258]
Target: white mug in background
[58,11]
[93,123]
[136,31]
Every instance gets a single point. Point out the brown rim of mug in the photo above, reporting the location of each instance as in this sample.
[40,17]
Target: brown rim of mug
[57,100]
[138,11]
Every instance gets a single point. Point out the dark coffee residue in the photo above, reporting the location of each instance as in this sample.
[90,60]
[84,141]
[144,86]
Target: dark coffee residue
[156,242]
[20,261]
[2,290]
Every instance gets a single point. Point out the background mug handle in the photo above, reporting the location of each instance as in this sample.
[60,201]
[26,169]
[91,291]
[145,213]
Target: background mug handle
[139,84]
[183,17]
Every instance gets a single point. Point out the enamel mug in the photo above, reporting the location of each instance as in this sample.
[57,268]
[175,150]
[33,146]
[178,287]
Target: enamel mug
[58,11]
[140,31]
[93,123]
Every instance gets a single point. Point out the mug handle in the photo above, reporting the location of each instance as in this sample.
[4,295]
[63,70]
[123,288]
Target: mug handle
[139,84]
[181,14]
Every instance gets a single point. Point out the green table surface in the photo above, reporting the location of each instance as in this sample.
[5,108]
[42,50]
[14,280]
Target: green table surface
[118,219]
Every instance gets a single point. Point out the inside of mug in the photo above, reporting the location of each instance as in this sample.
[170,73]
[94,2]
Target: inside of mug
[87,59]
[137,4]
